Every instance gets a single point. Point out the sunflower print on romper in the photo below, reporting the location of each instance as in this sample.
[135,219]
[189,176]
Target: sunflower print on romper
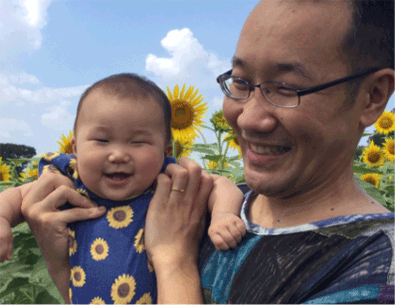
[123,289]
[150,267]
[139,241]
[51,168]
[83,192]
[73,168]
[71,295]
[97,300]
[145,299]
[72,242]
[78,276]
[49,156]
[120,217]
[99,249]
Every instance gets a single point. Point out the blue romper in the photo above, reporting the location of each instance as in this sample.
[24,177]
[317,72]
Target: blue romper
[107,256]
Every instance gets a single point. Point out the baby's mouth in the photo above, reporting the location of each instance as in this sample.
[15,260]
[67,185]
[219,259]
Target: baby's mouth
[118,176]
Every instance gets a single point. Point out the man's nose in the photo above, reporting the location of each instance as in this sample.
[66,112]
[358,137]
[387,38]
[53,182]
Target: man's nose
[257,114]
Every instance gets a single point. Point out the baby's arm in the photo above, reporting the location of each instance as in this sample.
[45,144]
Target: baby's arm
[10,216]
[226,228]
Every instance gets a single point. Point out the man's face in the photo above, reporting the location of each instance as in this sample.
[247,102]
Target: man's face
[297,42]
[119,144]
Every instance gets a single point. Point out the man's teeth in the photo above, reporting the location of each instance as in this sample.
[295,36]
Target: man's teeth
[269,150]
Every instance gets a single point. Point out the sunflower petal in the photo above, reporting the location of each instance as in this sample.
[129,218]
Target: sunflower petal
[169,95]
[176,91]
[182,92]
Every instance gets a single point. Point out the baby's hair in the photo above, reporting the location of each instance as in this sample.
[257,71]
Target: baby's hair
[133,86]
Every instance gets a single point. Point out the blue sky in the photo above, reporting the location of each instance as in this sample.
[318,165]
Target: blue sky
[52,50]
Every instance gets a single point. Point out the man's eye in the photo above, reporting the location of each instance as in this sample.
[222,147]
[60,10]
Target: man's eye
[239,85]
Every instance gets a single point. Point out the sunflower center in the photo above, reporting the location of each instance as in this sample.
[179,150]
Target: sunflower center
[99,249]
[119,215]
[236,141]
[123,290]
[182,116]
[77,276]
[374,157]
[371,181]
[386,123]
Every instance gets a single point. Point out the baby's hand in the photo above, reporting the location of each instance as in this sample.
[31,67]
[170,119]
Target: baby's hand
[226,230]
[6,240]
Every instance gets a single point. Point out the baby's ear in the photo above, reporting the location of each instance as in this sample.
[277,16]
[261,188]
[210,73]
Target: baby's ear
[74,146]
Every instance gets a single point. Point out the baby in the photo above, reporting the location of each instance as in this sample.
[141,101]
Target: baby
[122,136]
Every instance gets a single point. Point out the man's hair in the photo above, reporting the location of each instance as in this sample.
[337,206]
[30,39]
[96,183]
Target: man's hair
[130,85]
[370,40]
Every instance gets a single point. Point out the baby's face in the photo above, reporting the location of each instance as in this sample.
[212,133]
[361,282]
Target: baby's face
[119,144]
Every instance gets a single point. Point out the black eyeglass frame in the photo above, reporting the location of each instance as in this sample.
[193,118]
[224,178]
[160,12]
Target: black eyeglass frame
[299,92]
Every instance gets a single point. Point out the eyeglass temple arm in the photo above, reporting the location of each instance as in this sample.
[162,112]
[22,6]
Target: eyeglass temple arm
[330,84]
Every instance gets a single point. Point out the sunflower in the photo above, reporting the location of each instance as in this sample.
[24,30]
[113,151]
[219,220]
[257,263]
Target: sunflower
[372,155]
[385,123]
[233,143]
[139,241]
[72,242]
[372,179]
[97,300]
[214,165]
[65,143]
[29,173]
[388,147]
[123,289]
[5,174]
[187,112]
[181,148]
[73,166]
[78,276]
[219,122]
[120,217]
[99,249]
[145,299]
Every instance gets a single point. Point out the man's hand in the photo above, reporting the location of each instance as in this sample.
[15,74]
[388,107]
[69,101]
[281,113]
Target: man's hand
[174,227]
[40,208]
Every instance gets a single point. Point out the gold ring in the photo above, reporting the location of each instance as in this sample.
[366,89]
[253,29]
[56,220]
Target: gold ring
[177,190]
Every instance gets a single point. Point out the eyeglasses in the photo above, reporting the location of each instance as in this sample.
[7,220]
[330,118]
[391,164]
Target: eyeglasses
[278,94]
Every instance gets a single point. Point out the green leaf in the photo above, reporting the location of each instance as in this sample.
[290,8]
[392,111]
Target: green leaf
[204,150]
[364,170]
[365,134]
[215,158]
[13,285]
[372,191]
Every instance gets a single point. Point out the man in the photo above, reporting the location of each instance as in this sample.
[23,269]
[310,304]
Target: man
[313,235]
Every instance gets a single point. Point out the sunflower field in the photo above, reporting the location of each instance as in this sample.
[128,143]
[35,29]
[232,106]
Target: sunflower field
[25,279]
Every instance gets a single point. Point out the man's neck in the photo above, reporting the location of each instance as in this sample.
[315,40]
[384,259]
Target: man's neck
[346,199]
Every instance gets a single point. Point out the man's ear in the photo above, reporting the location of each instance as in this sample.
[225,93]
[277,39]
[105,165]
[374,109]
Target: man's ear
[74,146]
[169,150]
[376,91]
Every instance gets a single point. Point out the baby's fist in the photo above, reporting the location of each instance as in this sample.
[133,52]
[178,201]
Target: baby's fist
[226,231]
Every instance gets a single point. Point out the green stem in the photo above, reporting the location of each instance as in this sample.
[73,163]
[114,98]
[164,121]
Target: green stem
[201,134]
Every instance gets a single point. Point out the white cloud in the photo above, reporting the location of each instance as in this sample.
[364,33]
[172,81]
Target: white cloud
[58,117]
[187,58]
[21,22]
[11,128]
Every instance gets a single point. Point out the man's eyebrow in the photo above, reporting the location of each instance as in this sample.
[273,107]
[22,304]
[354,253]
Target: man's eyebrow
[293,67]
[237,62]
[296,67]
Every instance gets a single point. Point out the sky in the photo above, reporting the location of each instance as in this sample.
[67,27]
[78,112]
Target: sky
[52,50]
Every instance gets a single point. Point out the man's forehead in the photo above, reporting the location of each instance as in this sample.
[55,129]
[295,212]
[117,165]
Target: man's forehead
[292,35]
